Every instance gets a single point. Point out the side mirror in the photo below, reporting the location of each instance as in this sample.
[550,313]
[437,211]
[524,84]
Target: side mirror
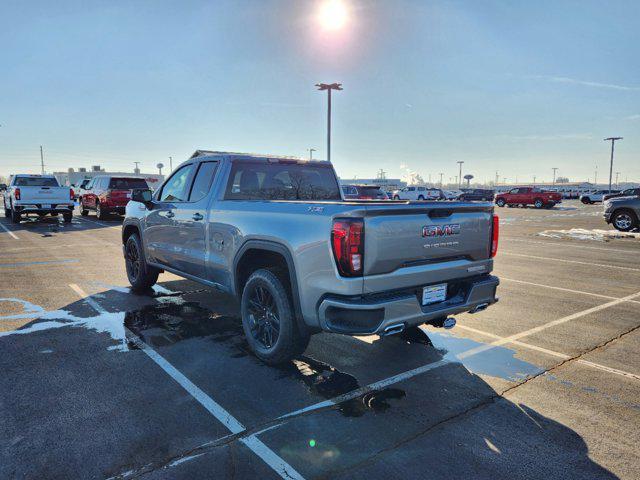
[143,196]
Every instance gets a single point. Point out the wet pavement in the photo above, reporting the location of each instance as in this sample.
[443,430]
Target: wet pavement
[99,382]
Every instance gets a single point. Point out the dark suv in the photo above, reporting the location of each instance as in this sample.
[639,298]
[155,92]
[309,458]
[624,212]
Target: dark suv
[476,194]
[106,194]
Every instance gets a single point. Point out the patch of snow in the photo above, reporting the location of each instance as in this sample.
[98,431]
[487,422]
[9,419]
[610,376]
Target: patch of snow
[584,234]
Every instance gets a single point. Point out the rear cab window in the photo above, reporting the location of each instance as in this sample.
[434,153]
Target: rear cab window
[281,181]
[127,184]
[36,182]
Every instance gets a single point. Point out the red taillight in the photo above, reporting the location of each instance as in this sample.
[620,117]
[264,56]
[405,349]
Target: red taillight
[347,241]
[72,196]
[495,233]
[16,193]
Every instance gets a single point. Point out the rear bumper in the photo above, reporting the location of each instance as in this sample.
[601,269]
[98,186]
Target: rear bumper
[37,208]
[372,314]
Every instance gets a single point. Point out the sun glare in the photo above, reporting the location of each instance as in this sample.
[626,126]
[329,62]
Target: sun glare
[333,14]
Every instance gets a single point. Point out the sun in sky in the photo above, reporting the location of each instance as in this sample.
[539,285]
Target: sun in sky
[333,14]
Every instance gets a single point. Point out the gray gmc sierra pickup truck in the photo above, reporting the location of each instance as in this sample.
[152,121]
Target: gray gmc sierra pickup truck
[277,234]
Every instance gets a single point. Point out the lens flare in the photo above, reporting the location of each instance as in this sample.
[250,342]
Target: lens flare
[333,14]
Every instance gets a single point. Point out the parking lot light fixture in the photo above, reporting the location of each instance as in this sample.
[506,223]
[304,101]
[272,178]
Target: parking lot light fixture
[613,141]
[328,87]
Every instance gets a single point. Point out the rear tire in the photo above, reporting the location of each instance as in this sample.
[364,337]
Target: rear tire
[15,216]
[420,197]
[396,197]
[84,212]
[141,275]
[100,213]
[268,319]
[624,220]
[67,217]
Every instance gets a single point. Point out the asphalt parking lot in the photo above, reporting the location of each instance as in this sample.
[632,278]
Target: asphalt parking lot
[98,382]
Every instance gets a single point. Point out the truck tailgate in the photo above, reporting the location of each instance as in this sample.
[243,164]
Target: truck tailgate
[44,195]
[425,234]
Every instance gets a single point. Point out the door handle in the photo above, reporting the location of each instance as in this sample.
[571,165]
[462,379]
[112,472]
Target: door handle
[197,217]
[170,214]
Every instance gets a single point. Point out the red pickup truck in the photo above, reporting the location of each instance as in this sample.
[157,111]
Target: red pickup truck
[528,196]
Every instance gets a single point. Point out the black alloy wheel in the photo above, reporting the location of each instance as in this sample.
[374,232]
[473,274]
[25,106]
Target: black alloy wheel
[264,320]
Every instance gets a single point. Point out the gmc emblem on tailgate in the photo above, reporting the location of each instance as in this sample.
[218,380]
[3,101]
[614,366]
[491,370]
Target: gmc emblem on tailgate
[440,230]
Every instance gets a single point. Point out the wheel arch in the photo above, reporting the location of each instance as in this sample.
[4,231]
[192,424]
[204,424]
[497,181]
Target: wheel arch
[255,254]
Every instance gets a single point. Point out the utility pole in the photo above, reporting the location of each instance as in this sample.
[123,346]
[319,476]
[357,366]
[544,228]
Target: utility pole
[613,141]
[534,180]
[170,164]
[41,160]
[328,87]
[554,174]
[136,170]
[460,162]
[497,178]
[440,179]
[595,176]
[311,150]
[617,175]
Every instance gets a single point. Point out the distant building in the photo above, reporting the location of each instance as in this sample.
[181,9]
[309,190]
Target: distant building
[560,187]
[73,177]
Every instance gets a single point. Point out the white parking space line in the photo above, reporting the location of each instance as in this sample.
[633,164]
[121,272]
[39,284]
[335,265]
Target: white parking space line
[607,297]
[553,353]
[279,465]
[590,264]
[572,245]
[553,323]
[11,234]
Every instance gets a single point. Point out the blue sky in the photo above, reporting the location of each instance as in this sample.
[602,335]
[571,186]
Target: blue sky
[513,86]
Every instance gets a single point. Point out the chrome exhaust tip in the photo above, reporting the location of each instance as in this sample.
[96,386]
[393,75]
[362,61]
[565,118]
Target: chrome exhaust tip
[449,323]
[479,308]
[393,329]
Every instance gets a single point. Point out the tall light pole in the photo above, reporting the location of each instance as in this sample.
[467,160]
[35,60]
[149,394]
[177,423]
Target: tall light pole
[136,170]
[311,150]
[170,164]
[441,179]
[617,175]
[613,141]
[328,87]
[554,174]
[534,180]
[41,160]
[460,162]
[497,178]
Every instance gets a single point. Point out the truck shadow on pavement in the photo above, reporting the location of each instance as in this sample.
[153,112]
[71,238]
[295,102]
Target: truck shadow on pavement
[444,423]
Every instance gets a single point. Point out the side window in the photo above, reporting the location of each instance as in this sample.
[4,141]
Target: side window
[412,189]
[515,190]
[175,190]
[202,182]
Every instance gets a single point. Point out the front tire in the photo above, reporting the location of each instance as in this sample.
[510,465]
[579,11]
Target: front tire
[420,197]
[67,217]
[538,203]
[624,220]
[500,202]
[268,319]
[141,275]
[396,197]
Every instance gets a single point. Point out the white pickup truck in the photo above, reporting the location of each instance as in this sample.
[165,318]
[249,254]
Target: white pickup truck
[37,195]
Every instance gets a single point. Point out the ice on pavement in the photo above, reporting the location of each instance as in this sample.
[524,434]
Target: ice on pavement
[593,234]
